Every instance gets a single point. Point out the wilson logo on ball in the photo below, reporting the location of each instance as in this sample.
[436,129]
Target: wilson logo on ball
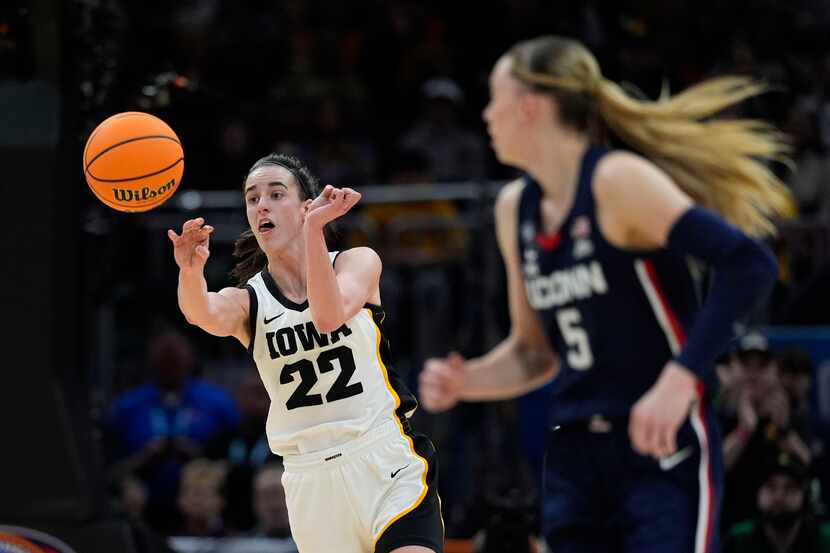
[127,195]
[133,161]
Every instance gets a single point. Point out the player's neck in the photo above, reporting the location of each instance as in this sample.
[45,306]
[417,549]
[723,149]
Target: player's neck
[288,268]
[555,162]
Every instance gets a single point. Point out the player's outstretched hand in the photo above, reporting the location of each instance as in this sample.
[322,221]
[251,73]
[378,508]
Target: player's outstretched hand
[657,416]
[191,248]
[331,204]
[440,382]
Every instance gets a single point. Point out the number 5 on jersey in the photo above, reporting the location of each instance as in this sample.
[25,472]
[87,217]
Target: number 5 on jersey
[579,349]
[340,389]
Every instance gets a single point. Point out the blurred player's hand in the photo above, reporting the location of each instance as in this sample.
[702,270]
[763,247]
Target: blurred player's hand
[657,416]
[331,204]
[440,382]
[190,249]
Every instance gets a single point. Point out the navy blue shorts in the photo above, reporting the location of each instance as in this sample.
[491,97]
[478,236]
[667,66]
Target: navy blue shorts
[600,496]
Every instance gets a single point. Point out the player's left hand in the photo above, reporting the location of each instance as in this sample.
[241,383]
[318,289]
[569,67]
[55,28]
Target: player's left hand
[331,204]
[657,416]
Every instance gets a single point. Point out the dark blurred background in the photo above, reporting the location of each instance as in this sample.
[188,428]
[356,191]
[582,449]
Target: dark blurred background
[384,96]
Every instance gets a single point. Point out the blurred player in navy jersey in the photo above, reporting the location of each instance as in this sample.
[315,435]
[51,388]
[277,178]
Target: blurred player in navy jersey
[606,254]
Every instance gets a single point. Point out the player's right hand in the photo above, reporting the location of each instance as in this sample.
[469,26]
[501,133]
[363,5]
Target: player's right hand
[441,381]
[191,248]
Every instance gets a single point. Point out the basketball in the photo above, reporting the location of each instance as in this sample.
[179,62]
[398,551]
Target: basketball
[133,161]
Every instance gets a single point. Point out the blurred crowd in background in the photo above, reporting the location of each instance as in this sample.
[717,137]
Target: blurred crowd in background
[388,93]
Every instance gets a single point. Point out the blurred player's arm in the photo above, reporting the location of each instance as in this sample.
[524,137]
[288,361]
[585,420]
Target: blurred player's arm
[524,360]
[223,313]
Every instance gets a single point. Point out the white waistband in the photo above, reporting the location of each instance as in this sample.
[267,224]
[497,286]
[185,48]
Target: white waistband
[336,455]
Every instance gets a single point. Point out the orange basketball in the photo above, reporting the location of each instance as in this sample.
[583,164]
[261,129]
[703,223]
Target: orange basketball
[133,161]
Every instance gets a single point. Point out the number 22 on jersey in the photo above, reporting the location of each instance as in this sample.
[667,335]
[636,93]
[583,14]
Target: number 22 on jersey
[340,389]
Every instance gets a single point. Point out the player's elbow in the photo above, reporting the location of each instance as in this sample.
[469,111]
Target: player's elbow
[326,322]
[537,362]
[326,327]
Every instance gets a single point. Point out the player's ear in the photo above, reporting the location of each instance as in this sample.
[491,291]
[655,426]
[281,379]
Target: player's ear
[527,106]
[306,204]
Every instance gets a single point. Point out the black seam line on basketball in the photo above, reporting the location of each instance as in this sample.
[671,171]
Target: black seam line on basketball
[117,144]
[154,173]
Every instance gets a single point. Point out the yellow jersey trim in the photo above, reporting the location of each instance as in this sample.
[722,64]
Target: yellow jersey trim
[397,398]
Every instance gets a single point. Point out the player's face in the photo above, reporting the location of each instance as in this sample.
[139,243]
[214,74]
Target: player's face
[273,206]
[503,114]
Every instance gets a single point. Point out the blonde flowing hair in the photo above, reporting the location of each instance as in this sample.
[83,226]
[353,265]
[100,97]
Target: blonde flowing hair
[720,163]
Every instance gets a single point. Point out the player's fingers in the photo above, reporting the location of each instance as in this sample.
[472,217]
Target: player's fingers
[430,392]
[327,191]
[433,378]
[638,433]
[189,228]
[668,440]
[657,445]
[171,234]
[435,401]
[196,224]
[202,252]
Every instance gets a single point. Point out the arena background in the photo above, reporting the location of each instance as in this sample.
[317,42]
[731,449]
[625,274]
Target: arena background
[382,96]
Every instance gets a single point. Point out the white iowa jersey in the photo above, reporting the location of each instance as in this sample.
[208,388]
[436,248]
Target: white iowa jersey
[325,389]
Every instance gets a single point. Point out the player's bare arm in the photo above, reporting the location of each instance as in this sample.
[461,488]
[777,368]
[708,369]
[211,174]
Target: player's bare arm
[526,347]
[222,313]
[336,294]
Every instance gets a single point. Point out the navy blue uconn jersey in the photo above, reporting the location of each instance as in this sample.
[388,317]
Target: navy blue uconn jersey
[614,317]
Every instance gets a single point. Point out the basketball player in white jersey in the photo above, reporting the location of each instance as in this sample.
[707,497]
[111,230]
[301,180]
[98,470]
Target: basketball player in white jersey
[357,478]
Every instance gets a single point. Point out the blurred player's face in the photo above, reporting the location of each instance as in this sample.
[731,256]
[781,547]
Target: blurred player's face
[273,206]
[503,114]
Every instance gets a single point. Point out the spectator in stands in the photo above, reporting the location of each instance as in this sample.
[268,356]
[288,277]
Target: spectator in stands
[269,504]
[796,373]
[454,152]
[808,181]
[201,499]
[763,426]
[245,449]
[129,496]
[155,429]
[784,522]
